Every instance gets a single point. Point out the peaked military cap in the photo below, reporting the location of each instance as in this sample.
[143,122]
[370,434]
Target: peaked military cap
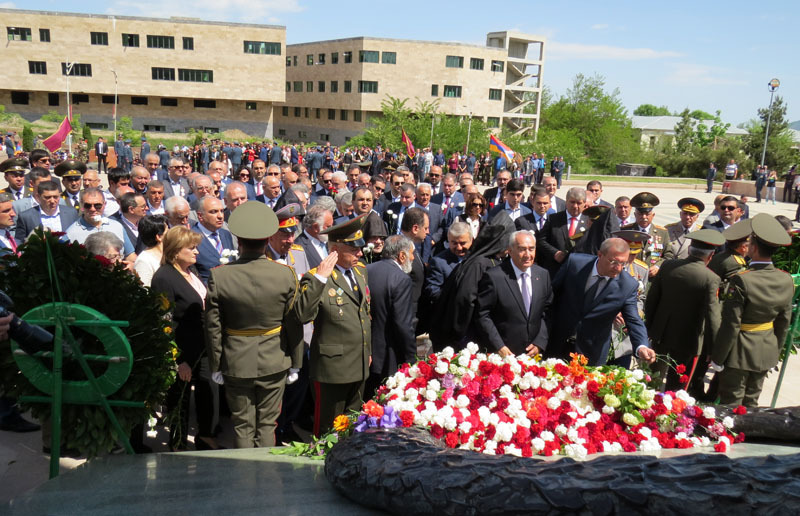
[70,168]
[691,205]
[374,226]
[738,231]
[706,238]
[769,231]
[14,165]
[287,217]
[644,202]
[594,212]
[348,232]
[635,239]
[253,220]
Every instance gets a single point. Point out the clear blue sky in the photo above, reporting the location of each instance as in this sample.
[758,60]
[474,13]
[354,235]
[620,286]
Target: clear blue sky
[701,54]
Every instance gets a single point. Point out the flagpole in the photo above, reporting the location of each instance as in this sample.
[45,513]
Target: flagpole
[433,119]
[469,129]
[69,112]
[115,104]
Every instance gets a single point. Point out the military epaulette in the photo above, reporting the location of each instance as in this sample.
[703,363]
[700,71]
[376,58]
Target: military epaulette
[312,271]
[297,247]
[640,263]
[743,271]
[360,264]
[671,224]
[740,260]
[658,227]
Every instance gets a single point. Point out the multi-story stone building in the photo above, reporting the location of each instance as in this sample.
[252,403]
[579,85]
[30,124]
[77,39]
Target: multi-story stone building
[167,74]
[334,87]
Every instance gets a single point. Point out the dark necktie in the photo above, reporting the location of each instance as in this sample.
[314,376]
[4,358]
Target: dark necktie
[593,292]
[353,285]
[217,242]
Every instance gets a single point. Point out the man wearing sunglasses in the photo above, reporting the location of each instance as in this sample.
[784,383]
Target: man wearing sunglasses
[38,158]
[729,214]
[92,221]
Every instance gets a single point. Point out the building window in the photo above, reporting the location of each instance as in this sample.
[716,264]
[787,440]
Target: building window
[80,98]
[348,86]
[310,60]
[334,86]
[19,34]
[160,41]
[368,86]
[324,137]
[297,112]
[475,63]
[318,113]
[454,62]
[321,86]
[44,35]
[497,66]
[356,116]
[389,58]
[37,67]
[281,132]
[251,106]
[169,102]
[139,101]
[434,90]
[285,110]
[99,38]
[310,86]
[302,134]
[288,61]
[163,74]
[187,75]
[20,97]
[188,43]
[343,114]
[53,99]
[367,56]
[492,122]
[97,125]
[108,99]
[495,94]
[348,57]
[211,130]
[264,48]
[452,91]
[202,103]
[306,112]
[321,59]
[130,40]
[288,86]
[155,128]
[297,86]
[77,70]
[334,57]
[331,114]
[294,60]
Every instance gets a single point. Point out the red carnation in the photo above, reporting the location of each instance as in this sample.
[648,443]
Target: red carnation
[527,451]
[680,369]
[407,417]
[684,379]
[592,386]
[479,442]
[561,369]
[437,431]
[424,370]
[451,440]
[490,432]
[739,438]
[740,410]
[721,447]
[629,447]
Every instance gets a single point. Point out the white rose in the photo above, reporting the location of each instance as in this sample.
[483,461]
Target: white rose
[441,367]
[448,352]
[709,413]
[538,444]
[463,361]
[638,374]
[547,435]
[561,430]
[472,348]
[389,212]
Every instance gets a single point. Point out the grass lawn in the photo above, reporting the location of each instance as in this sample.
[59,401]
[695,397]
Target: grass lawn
[636,179]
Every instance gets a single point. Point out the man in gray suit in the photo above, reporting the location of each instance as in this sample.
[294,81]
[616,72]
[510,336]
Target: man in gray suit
[48,212]
[176,184]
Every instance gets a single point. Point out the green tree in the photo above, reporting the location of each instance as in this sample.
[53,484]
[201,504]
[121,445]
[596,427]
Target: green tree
[705,136]
[87,135]
[779,145]
[684,132]
[699,114]
[27,138]
[651,110]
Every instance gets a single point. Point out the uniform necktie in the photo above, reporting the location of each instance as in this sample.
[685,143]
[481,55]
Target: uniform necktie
[353,285]
[526,292]
[12,242]
[18,194]
[572,226]
[217,242]
[685,231]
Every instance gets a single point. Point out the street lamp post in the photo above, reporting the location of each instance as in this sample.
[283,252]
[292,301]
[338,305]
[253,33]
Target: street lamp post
[114,137]
[433,120]
[773,85]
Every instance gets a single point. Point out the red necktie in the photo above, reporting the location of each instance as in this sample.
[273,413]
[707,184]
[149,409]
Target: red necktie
[572,226]
[13,242]
[446,203]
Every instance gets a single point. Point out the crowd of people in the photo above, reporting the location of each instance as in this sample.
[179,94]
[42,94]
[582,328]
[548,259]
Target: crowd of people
[301,278]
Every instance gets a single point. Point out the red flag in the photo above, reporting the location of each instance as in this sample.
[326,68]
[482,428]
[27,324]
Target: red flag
[409,146]
[54,141]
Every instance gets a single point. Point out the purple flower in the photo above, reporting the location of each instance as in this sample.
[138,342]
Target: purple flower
[361,423]
[389,419]
[448,381]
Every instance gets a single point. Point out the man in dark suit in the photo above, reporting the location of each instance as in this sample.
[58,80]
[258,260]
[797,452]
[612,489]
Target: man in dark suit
[236,156]
[275,154]
[210,217]
[594,192]
[556,203]
[448,198]
[415,226]
[101,152]
[312,240]
[459,240]
[378,185]
[494,195]
[394,213]
[513,201]
[132,209]
[176,183]
[144,150]
[535,221]
[562,230]
[393,341]
[729,213]
[590,292]
[434,212]
[49,213]
[513,301]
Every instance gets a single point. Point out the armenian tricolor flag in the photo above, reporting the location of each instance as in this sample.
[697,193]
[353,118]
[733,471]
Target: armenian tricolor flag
[500,147]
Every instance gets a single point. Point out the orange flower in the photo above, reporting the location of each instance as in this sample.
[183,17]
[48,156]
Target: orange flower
[341,423]
[678,405]
[372,409]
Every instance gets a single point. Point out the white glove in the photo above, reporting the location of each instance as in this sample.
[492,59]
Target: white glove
[216,377]
[294,374]
[715,367]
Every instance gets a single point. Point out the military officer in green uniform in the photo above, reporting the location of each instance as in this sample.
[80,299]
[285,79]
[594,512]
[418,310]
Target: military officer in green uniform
[252,335]
[336,298]
[756,311]
[733,259]
[71,173]
[653,251]
[682,306]
[678,246]
[621,344]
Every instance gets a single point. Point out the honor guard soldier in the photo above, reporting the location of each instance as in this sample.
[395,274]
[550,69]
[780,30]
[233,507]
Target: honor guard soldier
[756,312]
[336,298]
[682,307]
[620,341]
[252,342]
[71,173]
[691,209]
[653,251]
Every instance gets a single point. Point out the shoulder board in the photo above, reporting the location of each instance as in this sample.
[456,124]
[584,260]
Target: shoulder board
[658,227]
[640,263]
[312,271]
[739,259]
[360,264]
[296,247]
[671,224]
[743,271]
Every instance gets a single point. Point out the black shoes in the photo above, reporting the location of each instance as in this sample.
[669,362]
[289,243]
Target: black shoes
[14,422]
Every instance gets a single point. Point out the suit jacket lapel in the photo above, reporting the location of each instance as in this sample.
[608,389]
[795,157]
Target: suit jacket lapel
[513,286]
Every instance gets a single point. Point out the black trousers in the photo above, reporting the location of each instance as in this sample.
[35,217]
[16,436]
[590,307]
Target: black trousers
[102,163]
[178,398]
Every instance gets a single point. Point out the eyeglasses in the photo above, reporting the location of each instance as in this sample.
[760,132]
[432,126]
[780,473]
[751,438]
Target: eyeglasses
[96,206]
[614,263]
[477,204]
[47,160]
[397,184]
[244,175]
[435,175]
[379,189]
[727,208]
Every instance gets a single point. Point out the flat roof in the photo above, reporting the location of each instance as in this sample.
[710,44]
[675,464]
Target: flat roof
[175,19]
[396,40]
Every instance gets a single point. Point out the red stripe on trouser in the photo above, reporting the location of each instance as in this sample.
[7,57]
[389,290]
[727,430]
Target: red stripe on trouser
[316,409]
[691,373]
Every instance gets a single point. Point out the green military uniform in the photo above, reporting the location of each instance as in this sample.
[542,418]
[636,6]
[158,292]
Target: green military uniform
[253,342]
[341,345]
[727,264]
[654,249]
[682,306]
[71,170]
[756,312]
[678,246]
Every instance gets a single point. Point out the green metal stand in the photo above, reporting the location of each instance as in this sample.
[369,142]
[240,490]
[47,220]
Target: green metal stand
[794,327]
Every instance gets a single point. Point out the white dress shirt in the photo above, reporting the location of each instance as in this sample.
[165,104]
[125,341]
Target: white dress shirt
[51,222]
[321,247]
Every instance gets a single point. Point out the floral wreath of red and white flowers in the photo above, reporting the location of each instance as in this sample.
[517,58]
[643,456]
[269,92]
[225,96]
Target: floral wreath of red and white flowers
[526,406]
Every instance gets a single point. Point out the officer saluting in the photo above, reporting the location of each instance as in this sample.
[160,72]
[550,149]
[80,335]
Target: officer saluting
[756,311]
[253,342]
[336,298]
